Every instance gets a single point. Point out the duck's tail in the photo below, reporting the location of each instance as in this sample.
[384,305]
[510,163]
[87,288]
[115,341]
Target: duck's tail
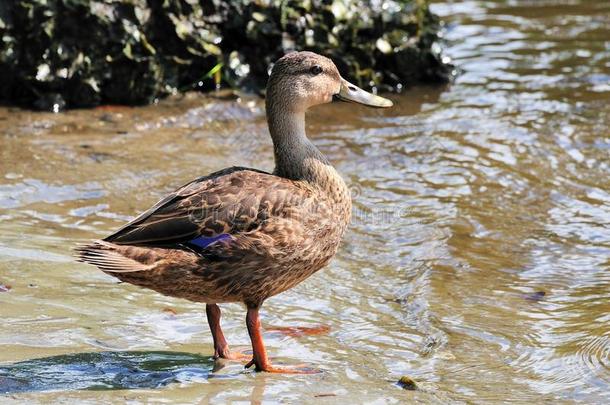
[113,258]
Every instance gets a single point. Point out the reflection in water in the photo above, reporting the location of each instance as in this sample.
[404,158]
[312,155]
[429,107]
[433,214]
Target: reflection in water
[477,263]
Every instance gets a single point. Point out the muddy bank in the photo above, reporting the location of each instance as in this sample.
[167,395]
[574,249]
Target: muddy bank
[59,54]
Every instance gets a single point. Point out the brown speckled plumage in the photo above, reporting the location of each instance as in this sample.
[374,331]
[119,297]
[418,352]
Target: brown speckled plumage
[281,231]
[278,228]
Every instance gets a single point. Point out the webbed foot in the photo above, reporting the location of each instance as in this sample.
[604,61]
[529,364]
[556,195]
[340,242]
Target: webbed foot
[234,355]
[296,369]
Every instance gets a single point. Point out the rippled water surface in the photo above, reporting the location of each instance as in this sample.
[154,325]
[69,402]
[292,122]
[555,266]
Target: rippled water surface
[477,263]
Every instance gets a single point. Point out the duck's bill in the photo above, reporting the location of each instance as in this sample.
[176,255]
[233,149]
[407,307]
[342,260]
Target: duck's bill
[355,94]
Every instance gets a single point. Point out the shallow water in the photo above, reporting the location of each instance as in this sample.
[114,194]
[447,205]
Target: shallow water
[477,263]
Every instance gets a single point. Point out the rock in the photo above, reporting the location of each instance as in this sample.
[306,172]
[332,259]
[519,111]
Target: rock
[83,53]
[407,383]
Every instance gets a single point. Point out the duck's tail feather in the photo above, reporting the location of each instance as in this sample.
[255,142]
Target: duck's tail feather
[109,257]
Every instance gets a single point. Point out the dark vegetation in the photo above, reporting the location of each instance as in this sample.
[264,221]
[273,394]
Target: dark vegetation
[81,53]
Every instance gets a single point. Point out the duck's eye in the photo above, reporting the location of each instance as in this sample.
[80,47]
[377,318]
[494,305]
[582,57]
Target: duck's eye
[316,70]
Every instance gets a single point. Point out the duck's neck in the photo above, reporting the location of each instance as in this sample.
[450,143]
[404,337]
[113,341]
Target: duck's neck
[296,157]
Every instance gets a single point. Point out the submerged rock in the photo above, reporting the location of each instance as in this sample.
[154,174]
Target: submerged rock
[104,371]
[81,53]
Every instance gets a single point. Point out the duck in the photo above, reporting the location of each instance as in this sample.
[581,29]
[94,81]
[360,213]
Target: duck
[242,234]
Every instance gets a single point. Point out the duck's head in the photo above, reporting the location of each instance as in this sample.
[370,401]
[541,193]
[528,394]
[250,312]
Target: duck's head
[300,80]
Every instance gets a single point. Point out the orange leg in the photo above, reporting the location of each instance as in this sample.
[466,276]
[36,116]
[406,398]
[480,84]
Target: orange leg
[260,359]
[221,348]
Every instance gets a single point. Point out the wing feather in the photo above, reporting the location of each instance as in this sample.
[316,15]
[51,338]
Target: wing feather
[231,201]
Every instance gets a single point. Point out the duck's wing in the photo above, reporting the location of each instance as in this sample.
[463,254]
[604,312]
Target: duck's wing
[211,208]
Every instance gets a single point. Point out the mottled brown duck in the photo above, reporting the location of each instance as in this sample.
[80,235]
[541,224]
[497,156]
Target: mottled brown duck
[241,234]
